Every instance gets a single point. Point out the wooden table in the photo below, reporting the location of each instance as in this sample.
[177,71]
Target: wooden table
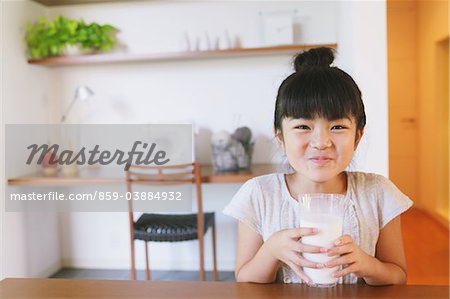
[108,175]
[65,288]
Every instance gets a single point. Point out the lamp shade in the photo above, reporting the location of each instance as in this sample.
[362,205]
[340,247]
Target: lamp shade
[83,93]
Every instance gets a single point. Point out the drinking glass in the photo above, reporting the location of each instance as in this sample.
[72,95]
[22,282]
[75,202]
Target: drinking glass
[324,212]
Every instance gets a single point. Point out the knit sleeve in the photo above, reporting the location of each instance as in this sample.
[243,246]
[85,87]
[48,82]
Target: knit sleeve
[391,201]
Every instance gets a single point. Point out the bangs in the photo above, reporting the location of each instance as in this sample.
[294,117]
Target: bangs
[319,92]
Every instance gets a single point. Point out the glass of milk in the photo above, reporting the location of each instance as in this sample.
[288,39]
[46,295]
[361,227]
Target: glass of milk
[324,212]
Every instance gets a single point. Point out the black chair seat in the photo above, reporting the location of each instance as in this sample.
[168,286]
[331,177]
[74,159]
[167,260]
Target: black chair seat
[170,228]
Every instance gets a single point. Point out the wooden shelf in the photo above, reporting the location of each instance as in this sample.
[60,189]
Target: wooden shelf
[73,2]
[125,57]
[114,176]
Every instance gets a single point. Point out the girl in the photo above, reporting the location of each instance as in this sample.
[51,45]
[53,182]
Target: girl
[319,122]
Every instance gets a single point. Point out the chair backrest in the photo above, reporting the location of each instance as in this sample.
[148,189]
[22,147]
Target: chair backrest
[166,175]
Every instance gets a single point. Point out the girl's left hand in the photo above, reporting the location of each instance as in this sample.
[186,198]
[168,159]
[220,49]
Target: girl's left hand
[351,255]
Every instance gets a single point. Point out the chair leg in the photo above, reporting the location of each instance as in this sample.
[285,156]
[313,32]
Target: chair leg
[147,267]
[133,266]
[215,276]
[202,258]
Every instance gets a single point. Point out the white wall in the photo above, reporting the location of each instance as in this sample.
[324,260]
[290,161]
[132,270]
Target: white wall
[362,45]
[214,93]
[29,242]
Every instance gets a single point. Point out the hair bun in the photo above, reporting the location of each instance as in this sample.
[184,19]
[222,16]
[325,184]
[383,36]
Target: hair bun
[314,57]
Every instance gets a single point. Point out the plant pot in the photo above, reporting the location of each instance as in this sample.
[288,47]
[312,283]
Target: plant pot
[76,50]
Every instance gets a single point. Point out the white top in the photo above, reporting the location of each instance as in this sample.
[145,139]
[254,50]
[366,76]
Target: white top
[265,205]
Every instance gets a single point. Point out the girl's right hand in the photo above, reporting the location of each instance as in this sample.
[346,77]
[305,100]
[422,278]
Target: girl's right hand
[284,245]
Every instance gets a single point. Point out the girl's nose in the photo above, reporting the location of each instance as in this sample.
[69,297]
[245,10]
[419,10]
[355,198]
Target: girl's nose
[321,140]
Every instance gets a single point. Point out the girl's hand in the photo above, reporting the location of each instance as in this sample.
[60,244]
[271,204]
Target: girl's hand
[354,259]
[284,245]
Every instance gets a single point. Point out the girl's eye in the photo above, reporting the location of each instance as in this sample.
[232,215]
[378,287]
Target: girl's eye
[302,127]
[338,127]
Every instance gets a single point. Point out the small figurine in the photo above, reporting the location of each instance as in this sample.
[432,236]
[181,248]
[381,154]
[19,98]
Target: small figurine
[232,152]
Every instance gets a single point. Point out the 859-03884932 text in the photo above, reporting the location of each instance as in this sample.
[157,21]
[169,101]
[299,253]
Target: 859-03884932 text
[99,195]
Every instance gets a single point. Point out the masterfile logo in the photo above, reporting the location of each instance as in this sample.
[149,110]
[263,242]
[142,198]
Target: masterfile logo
[81,155]
[148,156]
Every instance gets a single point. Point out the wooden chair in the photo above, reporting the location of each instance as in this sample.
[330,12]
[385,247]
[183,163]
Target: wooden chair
[170,228]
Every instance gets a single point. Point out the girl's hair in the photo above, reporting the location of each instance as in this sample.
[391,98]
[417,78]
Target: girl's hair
[317,89]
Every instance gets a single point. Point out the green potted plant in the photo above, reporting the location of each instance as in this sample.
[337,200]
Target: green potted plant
[46,38]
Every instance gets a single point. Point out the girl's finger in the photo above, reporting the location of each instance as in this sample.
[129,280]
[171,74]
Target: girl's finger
[300,247]
[310,264]
[301,261]
[297,269]
[340,250]
[344,259]
[297,233]
[345,239]
[350,269]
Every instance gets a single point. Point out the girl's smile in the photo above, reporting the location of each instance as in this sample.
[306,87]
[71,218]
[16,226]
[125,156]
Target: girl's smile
[321,160]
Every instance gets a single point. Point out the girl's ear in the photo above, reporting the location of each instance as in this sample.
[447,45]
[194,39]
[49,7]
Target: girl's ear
[359,135]
[278,136]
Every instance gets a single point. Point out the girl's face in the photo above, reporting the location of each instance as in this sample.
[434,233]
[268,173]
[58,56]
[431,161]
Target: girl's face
[319,149]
